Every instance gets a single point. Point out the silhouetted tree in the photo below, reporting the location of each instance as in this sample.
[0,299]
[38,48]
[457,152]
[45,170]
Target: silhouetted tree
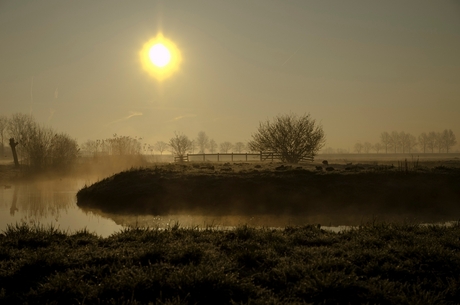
[124,145]
[448,139]
[3,127]
[63,151]
[41,147]
[411,142]
[385,138]
[202,141]
[328,150]
[367,147]
[358,147]
[239,147]
[439,141]
[212,146]
[431,142]
[293,137]
[180,145]
[423,141]
[20,128]
[161,146]
[395,141]
[225,147]
[378,147]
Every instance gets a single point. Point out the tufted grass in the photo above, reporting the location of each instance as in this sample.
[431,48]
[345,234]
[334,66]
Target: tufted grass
[378,263]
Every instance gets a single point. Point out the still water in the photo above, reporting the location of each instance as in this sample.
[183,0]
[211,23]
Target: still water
[53,203]
[48,203]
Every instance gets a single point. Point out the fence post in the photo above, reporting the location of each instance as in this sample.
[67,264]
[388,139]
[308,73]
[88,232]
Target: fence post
[232,156]
[246,157]
[217,157]
[204,156]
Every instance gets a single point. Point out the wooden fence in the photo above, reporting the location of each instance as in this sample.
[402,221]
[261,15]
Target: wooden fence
[262,156]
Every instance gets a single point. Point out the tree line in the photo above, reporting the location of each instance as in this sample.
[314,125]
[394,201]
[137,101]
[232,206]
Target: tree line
[402,142]
[37,146]
[293,138]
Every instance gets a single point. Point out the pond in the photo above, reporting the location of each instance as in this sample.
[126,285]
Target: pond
[50,203]
[53,203]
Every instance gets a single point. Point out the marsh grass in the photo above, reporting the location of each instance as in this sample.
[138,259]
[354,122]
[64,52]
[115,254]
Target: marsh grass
[376,263]
[172,189]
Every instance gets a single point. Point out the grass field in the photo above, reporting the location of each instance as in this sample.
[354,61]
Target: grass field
[422,192]
[377,263]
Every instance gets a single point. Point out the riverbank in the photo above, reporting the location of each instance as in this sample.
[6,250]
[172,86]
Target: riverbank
[246,189]
[373,264]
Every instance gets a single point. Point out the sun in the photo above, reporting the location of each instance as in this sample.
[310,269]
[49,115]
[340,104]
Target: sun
[160,57]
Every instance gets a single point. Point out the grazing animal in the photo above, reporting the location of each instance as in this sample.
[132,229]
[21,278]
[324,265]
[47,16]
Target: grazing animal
[329,168]
[319,168]
[325,162]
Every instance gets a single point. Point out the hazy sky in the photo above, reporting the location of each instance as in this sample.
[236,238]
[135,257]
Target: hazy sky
[358,67]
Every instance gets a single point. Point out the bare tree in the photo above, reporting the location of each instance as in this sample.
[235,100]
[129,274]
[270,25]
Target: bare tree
[378,147]
[212,146]
[448,139]
[293,137]
[3,127]
[423,141]
[202,141]
[403,139]
[411,142]
[225,146]
[124,145]
[367,147]
[180,145]
[239,147]
[359,147]
[431,143]
[20,127]
[395,141]
[63,151]
[160,146]
[439,141]
[328,150]
[192,150]
[385,138]
[90,147]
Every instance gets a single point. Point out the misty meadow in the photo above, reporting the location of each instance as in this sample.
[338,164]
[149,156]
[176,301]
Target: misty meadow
[229,152]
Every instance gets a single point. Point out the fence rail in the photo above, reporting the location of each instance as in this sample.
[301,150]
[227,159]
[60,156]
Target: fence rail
[262,156]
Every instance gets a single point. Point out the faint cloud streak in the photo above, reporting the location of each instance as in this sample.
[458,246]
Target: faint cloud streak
[182,117]
[131,114]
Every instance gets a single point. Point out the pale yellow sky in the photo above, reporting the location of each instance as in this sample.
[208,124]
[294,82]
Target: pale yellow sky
[358,67]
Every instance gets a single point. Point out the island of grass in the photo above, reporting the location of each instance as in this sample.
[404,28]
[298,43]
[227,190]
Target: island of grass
[428,194]
[378,263]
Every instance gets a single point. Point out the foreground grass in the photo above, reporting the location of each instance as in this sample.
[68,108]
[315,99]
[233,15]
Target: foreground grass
[374,264]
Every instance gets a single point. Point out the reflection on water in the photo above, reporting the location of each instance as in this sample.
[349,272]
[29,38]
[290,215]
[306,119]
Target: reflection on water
[51,202]
[54,203]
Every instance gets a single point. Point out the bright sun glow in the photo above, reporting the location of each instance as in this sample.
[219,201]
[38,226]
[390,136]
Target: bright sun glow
[160,57]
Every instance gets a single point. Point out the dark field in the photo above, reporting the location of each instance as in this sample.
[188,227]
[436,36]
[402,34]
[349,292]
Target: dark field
[396,191]
[377,262]
[372,264]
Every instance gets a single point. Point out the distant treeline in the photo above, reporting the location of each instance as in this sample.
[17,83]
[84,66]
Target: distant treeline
[38,147]
[402,142]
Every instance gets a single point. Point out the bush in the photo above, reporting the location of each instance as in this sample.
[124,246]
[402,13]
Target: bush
[293,138]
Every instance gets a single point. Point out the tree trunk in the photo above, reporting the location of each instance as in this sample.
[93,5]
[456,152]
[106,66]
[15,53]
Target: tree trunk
[13,150]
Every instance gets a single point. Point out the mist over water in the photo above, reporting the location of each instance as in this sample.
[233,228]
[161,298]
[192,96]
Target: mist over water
[50,203]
